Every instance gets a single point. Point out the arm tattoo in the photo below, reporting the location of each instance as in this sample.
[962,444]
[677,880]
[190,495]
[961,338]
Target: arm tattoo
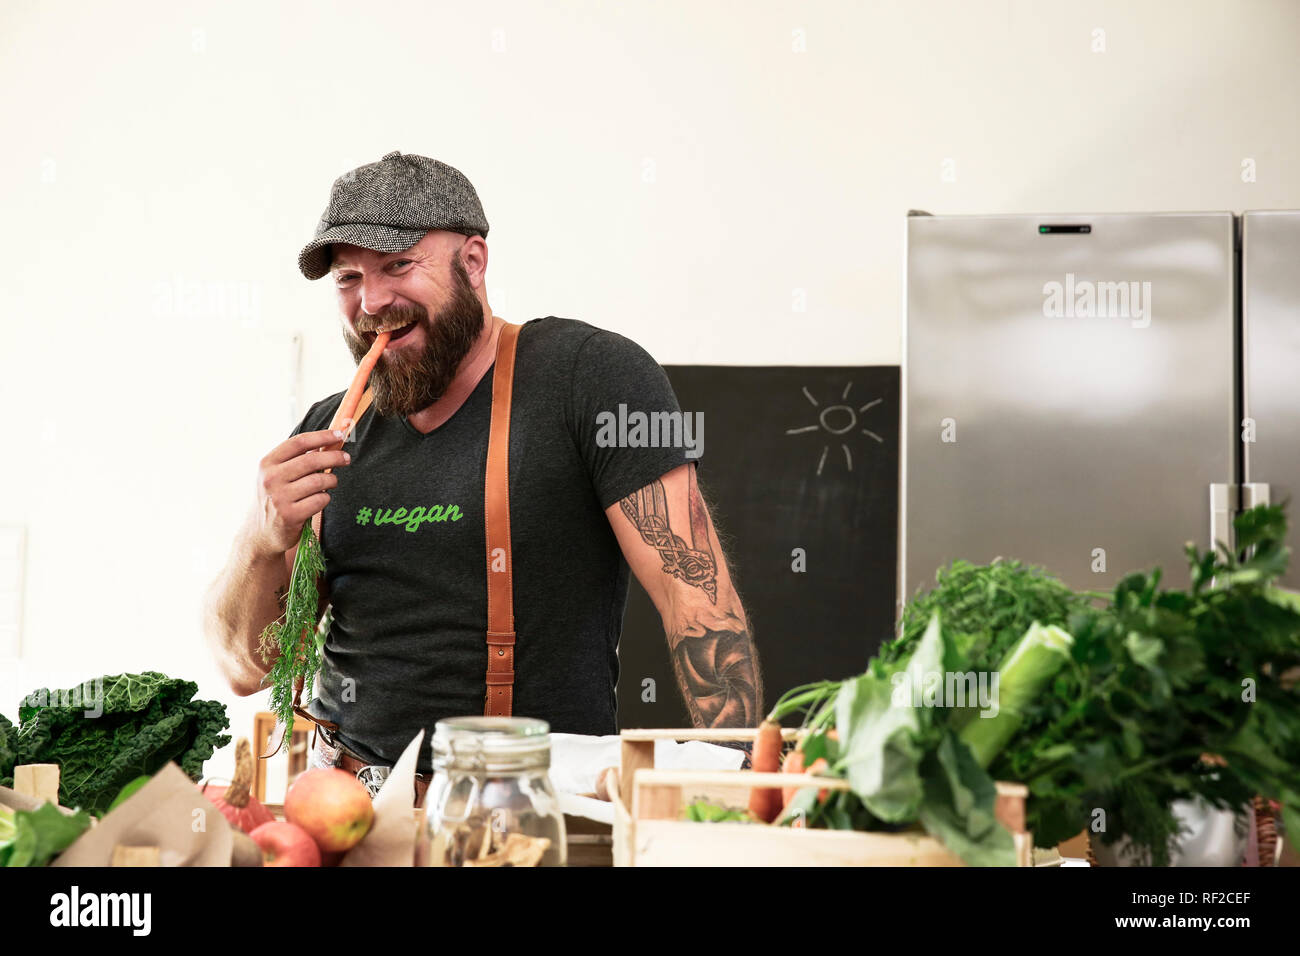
[712,652]
[718,674]
[692,563]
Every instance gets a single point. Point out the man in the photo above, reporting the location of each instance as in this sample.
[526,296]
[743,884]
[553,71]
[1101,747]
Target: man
[403,535]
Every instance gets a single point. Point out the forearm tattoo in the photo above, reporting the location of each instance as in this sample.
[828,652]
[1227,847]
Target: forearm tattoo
[712,653]
[718,676]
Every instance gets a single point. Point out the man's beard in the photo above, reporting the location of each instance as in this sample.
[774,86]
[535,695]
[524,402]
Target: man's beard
[405,384]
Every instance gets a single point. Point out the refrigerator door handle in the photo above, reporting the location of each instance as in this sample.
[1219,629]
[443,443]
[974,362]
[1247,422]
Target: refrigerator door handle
[1254,493]
[1223,507]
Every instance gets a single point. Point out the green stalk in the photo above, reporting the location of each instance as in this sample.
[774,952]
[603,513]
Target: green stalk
[795,698]
[825,716]
[1023,675]
[1164,759]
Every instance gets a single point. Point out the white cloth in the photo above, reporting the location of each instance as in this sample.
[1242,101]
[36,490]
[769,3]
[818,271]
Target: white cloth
[577,759]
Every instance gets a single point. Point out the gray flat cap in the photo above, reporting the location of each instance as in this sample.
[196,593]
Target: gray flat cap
[388,206]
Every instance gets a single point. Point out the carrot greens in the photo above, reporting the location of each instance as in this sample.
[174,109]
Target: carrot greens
[289,642]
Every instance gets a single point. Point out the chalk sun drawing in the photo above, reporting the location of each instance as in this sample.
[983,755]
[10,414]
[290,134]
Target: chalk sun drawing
[836,420]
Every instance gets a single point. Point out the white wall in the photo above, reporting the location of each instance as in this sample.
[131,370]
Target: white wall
[673,170]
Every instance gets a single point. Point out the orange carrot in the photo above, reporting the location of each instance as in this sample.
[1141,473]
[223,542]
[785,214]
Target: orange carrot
[816,767]
[765,802]
[793,763]
[352,397]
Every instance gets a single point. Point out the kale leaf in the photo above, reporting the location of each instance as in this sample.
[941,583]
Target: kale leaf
[8,755]
[106,732]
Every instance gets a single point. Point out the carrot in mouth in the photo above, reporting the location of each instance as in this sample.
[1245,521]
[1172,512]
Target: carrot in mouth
[352,397]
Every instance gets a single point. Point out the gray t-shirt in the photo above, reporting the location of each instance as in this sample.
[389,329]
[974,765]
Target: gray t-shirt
[405,558]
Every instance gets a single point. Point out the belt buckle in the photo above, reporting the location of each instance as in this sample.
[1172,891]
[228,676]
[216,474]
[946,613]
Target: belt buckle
[373,776]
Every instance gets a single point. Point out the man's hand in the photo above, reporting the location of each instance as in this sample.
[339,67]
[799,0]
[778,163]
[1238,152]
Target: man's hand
[669,541]
[248,594]
[292,486]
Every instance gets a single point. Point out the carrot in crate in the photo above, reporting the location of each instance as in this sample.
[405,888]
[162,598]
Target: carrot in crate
[765,802]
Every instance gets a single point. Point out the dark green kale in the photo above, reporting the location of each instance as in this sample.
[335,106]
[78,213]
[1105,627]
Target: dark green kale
[108,731]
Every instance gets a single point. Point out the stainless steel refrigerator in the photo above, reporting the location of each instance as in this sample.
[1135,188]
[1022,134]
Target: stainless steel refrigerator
[1089,392]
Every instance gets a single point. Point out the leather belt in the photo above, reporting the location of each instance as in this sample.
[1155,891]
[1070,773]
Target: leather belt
[498,698]
[354,766]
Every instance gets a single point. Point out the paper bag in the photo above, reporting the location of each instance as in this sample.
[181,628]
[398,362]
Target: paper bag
[391,839]
[167,812]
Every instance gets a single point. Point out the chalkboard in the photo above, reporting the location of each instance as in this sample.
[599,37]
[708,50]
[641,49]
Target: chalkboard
[794,458]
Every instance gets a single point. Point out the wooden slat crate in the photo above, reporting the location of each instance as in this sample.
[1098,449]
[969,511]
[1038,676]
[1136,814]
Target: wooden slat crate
[648,830]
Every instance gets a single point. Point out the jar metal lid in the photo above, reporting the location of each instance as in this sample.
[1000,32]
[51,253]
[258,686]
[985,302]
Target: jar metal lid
[491,741]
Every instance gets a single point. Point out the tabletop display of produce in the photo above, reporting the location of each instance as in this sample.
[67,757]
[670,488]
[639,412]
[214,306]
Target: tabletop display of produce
[1110,708]
[1009,706]
[107,738]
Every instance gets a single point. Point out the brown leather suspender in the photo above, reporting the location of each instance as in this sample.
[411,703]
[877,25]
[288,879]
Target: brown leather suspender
[496,506]
[499,697]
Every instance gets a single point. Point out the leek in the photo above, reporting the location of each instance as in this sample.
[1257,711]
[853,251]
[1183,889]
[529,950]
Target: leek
[1024,674]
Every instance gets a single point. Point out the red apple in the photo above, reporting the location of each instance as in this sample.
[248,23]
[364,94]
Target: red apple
[284,844]
[332,805]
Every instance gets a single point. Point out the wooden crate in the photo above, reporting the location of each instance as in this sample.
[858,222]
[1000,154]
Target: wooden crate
[648,830]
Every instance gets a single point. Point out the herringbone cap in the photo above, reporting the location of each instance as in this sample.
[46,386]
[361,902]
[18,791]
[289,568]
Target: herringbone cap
[388,206]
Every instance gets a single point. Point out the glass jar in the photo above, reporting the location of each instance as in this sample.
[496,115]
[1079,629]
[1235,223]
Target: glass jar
[491,802]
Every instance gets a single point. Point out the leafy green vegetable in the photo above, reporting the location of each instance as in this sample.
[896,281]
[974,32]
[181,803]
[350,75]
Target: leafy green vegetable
[1160,678]
[293,643]
[34,837]
[1113,726]
[1022,676]
[958,806]
[107,732]
[8,753]
[128,791]
[702,811]
[903,763]
[986,609]
[881,744]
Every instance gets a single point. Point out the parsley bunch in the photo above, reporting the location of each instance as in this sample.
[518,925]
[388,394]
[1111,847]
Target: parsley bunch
[985,609]
[1170,695]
